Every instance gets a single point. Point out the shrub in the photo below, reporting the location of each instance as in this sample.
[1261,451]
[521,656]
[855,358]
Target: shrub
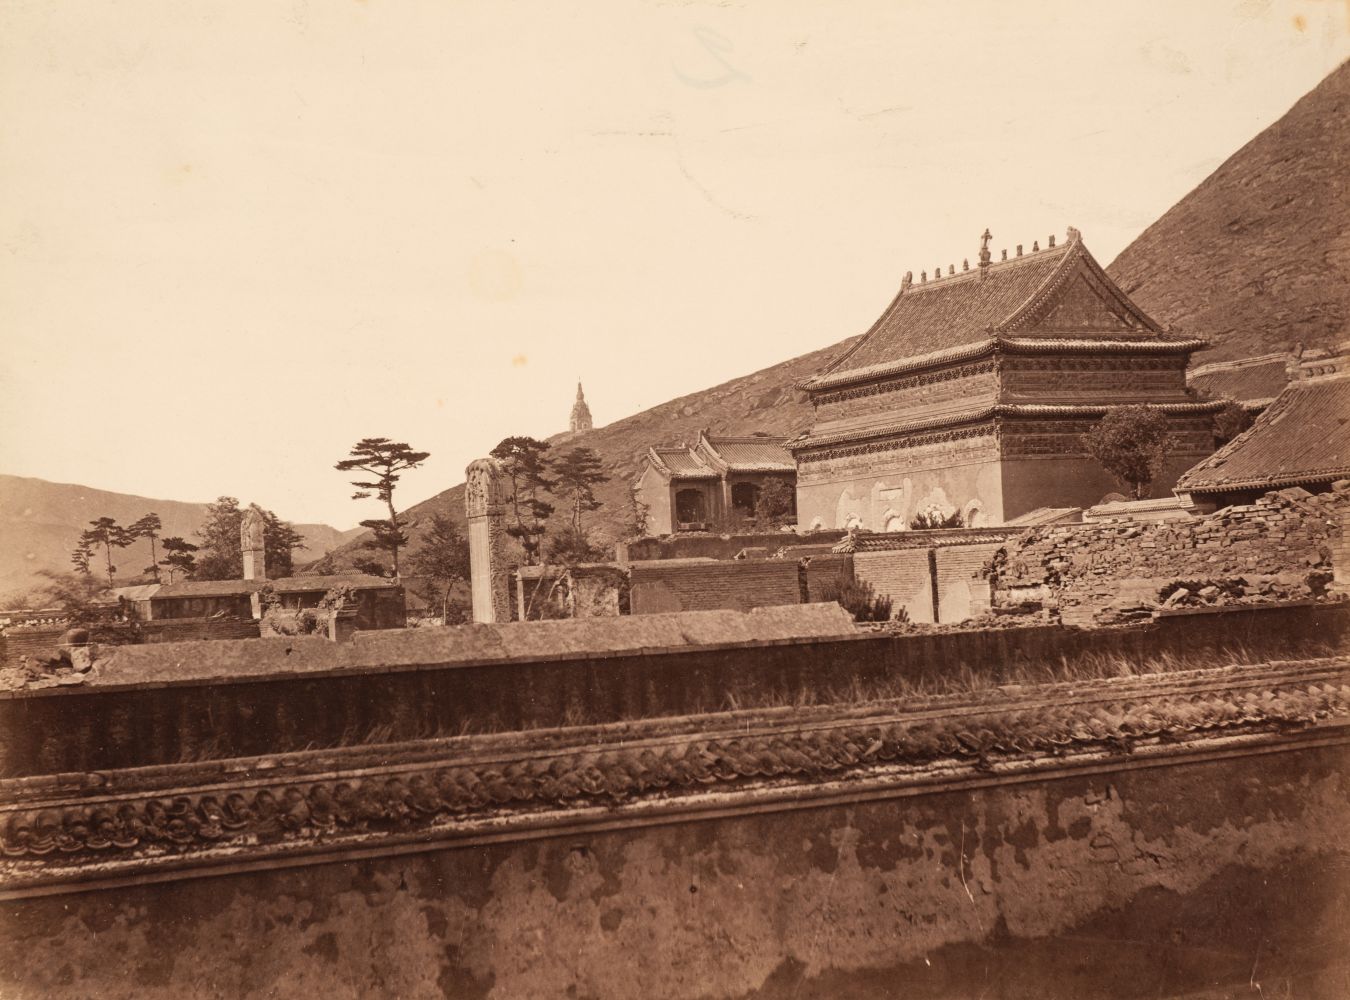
[858,598]
[933,518]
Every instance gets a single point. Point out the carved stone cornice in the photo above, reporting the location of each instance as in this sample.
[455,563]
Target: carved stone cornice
[903,440]
[58,833]
[932,377]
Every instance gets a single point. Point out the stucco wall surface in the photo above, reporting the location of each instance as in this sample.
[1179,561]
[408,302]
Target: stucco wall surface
[1177,880]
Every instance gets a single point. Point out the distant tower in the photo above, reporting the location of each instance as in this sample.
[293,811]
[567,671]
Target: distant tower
[581,413]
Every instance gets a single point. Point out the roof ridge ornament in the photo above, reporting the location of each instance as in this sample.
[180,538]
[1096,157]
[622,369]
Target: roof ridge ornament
[985,256]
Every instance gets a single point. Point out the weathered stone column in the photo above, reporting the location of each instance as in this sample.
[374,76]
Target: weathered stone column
[484,506]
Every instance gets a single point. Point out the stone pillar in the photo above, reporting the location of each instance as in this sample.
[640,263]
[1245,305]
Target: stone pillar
[484,506]
[254,549]
[251,541]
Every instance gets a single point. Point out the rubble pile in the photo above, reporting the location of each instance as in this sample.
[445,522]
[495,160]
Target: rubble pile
[1276,549]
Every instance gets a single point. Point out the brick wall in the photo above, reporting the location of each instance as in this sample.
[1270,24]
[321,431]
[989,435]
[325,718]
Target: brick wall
[820,570]
[1094,570]
[708,546]
[902,575]
[707,586]
[963,591]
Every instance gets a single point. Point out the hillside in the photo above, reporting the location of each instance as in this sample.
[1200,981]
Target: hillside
[40,522]
[1257,258]
[764,401]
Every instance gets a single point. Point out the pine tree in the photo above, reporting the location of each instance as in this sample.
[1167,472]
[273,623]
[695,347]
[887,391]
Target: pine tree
[525,461]
[178,556]
[577,473]
[383,461]
[149,527]
[442,557]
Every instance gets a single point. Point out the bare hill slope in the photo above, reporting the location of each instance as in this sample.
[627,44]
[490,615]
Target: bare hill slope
[1257,258]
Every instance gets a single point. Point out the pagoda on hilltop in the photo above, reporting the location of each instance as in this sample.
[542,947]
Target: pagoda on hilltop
[971,393]
[581,413]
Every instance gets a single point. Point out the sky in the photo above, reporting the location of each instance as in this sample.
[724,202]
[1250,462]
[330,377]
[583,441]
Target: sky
[238,236]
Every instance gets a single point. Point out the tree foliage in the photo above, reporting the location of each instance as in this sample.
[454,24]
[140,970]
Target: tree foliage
[104,531]
[1130,443]
[526,463]
[178,557]
[443,558]
[775,503]
[577,472]
[219,554]
[636,514]
[80,597]
[933,518]
[149,527]
[383,461]
[571,548]
[858,598]
[1229,422]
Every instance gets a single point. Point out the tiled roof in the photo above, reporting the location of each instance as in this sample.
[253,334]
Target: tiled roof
[1246,380]
[286,585]
[886,541]
[1302,437]
[753,454]
[681,463]
[1047,515]
[964,312]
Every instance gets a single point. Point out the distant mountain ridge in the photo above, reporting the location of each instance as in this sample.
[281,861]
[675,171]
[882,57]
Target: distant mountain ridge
[1257,257]
[41,521]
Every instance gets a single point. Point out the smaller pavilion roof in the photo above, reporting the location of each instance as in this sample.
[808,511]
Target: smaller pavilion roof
[756,453]
[680,463]
[1302,437]
[713,457]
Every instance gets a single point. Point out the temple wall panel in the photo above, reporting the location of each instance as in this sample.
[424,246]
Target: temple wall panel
[1071,481]
[880,487]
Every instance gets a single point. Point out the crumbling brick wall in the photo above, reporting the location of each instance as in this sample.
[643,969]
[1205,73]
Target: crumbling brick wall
[1280,547]
[712,585]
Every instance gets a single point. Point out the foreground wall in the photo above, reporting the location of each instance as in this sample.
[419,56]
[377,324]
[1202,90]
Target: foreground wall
[313,693]
[1213,869]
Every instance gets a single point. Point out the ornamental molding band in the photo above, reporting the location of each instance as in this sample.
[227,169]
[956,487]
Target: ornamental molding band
[77,832]
[878,447]
[911,382]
